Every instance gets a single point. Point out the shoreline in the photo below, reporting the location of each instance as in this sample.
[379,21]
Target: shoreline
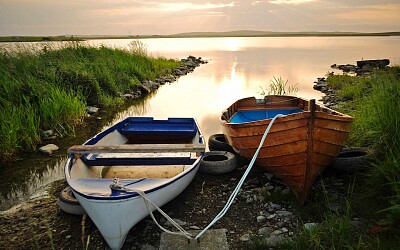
[79,38]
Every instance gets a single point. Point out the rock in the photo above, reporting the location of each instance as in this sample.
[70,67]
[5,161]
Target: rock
[91,110]
[268,186]
[285,191]
[268,176]
[245,238]
[249,200]
[285,214]
[261,219]
[151,85]
[48,133]
[48,149]
[180,223]
[147,247]
[271,216]
[265,231]
[276,232]
[274,240]
[275,206]
[310,225]
[177,72]
[127,96]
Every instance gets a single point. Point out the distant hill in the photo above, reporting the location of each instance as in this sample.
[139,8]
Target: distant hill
[254,33]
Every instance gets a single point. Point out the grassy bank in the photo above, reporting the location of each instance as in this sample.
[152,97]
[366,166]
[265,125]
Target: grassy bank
[374,196]
[50,88]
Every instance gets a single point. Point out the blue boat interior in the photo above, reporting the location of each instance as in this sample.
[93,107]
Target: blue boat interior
[146,130]
[243,116]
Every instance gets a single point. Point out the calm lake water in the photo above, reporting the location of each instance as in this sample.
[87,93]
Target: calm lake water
[237,68]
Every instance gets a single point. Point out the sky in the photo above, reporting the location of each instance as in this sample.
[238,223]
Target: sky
[149,17]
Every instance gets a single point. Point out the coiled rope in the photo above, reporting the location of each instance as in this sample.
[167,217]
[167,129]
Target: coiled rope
[228,204]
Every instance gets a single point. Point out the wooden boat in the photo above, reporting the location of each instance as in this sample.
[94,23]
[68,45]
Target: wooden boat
[158,157]
[299,145]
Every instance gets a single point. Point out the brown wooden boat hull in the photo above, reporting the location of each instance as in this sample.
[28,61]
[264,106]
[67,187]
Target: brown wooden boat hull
[298,147]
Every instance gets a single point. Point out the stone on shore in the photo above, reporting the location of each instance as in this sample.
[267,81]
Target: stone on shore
[48,149]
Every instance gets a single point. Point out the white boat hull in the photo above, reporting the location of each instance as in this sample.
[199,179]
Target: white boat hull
[114,218]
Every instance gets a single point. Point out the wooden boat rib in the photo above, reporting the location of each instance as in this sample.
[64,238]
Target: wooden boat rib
[158,157]
[299,145]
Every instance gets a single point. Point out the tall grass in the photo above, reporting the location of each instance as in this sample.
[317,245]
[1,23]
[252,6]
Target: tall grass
[377,125]
[48,86]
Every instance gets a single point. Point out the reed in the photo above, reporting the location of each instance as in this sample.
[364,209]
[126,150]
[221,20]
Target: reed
[48,86]
[278,86]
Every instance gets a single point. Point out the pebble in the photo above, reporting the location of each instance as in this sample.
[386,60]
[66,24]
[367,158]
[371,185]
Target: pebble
[245,237]
[180,223]
[261,218]
[277,232]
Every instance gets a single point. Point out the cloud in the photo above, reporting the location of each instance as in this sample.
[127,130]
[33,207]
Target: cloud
[127,9]
[293,2]
[192,6]
[386,13]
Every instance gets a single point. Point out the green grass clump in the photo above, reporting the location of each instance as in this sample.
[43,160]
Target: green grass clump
[49,86]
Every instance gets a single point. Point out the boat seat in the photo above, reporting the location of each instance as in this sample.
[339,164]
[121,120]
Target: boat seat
[135,159]
[137,172]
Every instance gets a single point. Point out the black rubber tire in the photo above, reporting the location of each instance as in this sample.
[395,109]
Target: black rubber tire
[68,203]
[218,162]
[351,160]
[217,142]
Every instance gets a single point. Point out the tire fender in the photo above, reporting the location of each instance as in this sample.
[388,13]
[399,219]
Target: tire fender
[217,142]
[351,160]
[68,203]
[218,162]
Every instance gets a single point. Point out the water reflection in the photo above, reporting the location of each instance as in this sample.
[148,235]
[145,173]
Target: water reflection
[24,180]
[238,68]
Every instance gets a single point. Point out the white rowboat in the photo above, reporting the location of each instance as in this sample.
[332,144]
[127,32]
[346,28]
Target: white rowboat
[158,157]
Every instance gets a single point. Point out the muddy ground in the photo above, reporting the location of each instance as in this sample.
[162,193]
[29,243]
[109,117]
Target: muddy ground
[40,224]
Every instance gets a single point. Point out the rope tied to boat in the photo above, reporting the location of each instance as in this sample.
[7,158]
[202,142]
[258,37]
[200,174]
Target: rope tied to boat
[117,186]
[228,204]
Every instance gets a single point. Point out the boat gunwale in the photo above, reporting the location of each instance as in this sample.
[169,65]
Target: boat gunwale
[321,111]
[126,195]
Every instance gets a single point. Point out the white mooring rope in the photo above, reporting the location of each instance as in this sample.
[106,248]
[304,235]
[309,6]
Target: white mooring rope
[228,204]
